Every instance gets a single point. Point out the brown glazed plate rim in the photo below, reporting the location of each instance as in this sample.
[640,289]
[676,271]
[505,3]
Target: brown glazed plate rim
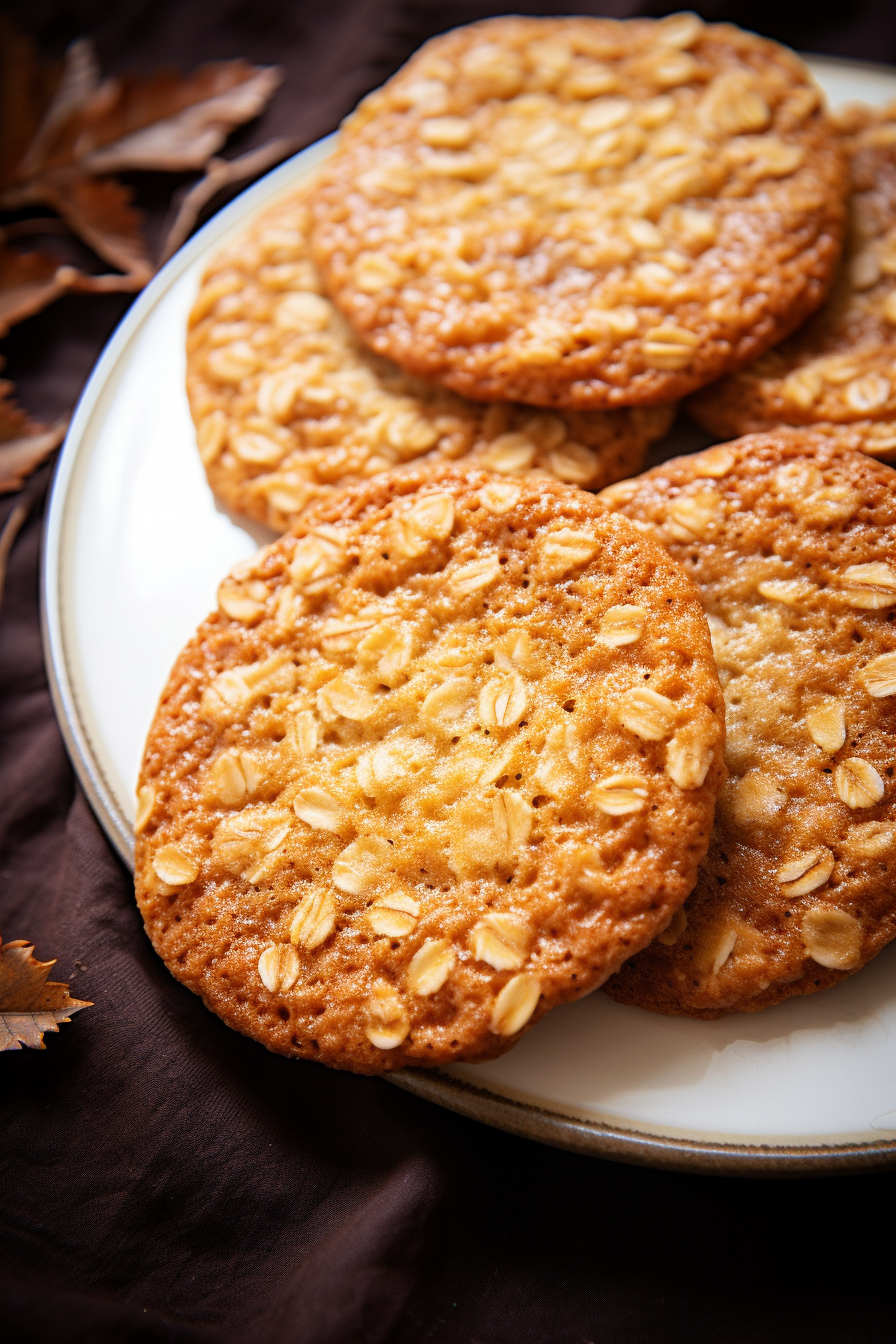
[686,1152]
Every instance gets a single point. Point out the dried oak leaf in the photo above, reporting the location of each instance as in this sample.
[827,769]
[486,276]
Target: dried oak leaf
[162,122]
[24,443]
[90,127]
[30,1004]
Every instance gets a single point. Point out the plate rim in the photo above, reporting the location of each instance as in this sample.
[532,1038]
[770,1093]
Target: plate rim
[635,1147]
[522,1118]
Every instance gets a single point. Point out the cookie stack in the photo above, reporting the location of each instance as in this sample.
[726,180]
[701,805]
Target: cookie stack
[449,751]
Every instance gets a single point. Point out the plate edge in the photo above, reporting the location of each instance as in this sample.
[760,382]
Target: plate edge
[636,1148]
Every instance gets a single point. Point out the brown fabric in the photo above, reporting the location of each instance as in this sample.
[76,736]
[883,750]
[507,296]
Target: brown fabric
[163,1179]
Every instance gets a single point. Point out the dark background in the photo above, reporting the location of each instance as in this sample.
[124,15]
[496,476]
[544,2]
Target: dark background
[163,1179]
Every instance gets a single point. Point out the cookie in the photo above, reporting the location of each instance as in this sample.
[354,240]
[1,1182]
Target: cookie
[289,405]
[442,759]
[583,212]
[791,541]
[838,373]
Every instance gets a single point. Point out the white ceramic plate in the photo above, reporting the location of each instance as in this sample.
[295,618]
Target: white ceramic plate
[135,548]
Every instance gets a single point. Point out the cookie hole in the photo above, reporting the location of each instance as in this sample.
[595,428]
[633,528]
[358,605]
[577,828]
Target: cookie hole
[283,1013]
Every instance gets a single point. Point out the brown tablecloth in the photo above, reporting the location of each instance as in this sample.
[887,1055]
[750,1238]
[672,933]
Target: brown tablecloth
[164,1179]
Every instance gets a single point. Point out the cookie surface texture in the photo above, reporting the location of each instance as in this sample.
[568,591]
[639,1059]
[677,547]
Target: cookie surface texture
[792,543]
[838,373]
[584,212]
[289,405]
[442,759]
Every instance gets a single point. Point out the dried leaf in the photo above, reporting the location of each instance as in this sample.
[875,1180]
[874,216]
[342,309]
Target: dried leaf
[28,282]
[11,529]
[186,140]
[163,121]
[19,457]
[28,228]
[78,82]
[24,443]
[221,173]
[29,1003]
[62,131]
[99,210]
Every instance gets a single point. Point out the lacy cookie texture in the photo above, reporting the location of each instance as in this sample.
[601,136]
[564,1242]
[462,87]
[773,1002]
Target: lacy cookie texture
[791,541]
[583,212]
[289,405]
[443,758]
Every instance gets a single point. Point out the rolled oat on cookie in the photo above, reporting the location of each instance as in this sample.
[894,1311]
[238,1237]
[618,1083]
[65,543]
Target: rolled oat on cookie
[582,212]
[289,405]
[791,541]
[443,758]
[837,374]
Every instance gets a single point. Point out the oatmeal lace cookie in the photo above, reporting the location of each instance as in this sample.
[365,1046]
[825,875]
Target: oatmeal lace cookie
[444,756]
[289,404]
[838,374]
[792,543]
[583,212]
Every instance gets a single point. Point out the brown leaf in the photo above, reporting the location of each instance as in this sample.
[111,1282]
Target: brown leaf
[79,80]
[30,1004]
[99,210]
[221,173]
[24,443]
[163,121]
[63,130]
[14,419]
[31,280]
[28,282]
[19,457]
[186,140]
[15,521]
